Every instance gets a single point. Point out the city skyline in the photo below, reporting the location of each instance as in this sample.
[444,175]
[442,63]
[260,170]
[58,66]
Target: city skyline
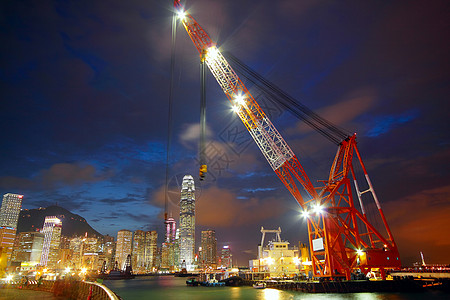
[85,93]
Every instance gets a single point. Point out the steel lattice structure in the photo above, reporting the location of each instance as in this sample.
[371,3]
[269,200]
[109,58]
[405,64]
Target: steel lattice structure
[340,236]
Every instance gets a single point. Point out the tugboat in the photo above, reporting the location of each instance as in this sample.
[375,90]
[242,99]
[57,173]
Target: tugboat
[212,282]
[192,282]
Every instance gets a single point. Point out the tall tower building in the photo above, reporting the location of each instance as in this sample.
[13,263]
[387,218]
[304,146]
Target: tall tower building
[138,256]
[187,223]
[171,227]
[123,247]
[52,239]
[29,247]
[9,213]
[151,249]
[226,258]
[109,248]
[209,248]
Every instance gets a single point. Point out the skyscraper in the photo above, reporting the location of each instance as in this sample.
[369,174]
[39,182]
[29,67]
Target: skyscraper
[151,249]
[187,223]
[123,247]
[209,249]
[9,214]
[10,210]
[226,260]
[138,255]
[52,239]
[171,227]
[29,247]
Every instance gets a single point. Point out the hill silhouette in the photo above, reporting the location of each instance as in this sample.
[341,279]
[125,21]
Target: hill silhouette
[72,224]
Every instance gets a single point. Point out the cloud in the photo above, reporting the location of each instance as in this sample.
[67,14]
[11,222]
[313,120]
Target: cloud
[419,222]
[344,112]
[221,208]
[190,136]
[12,182]
[69,174]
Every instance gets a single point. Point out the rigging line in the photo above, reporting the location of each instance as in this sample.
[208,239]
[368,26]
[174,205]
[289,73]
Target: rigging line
[169,119]
[282,96]
[202,154]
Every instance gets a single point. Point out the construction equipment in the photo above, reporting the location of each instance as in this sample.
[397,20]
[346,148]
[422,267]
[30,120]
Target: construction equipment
[341,238]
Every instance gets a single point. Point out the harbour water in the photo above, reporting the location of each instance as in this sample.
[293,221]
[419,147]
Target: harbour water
[169,287]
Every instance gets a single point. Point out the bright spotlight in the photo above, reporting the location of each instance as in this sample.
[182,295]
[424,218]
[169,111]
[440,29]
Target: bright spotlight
[240,99]
[236,108]
[318,209]
[181,14]
[305,214]
[212,53]
[359,252]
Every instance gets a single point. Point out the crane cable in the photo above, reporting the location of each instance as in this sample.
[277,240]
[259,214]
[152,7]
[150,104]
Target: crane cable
[169,119]
[276,94]
[202,154]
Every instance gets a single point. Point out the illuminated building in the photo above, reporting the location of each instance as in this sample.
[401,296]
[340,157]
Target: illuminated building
[29,247]
[65,258]
[9,213]
[209,249]
[109,249]
[7,237]
[171,227]
[76,245]
[138,253]
[151,249]
[123,247]
[90,252]
[226,257]
[52,239]
[187,223]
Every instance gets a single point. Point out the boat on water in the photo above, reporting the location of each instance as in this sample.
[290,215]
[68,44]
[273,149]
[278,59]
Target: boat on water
[115,275]
[192,282]
[259,285]
[213,282]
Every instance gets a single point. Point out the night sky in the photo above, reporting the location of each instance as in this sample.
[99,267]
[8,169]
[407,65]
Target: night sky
[84,89]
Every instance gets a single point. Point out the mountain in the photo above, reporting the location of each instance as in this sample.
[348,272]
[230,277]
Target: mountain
[72,224]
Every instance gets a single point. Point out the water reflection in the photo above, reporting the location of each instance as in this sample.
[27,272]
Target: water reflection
[271,294]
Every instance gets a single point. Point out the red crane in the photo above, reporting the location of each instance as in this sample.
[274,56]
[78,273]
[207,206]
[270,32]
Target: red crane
[341,238]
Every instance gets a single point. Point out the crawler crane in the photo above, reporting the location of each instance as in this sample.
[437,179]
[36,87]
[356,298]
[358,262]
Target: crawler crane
[341,238]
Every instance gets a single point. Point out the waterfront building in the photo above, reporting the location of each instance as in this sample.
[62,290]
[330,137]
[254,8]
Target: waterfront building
[90,252]
[171,227]
[7,238]
[9,215]
[65,258]
[209,249]
[151,248]
[123,247]
[109,249]
[187,223]
[226,257]
[76,245]
[138,252]
[9,212]
[52,240]
[29,247]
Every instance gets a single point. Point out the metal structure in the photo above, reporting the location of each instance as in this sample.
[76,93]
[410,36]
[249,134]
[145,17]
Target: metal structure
[341,238]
